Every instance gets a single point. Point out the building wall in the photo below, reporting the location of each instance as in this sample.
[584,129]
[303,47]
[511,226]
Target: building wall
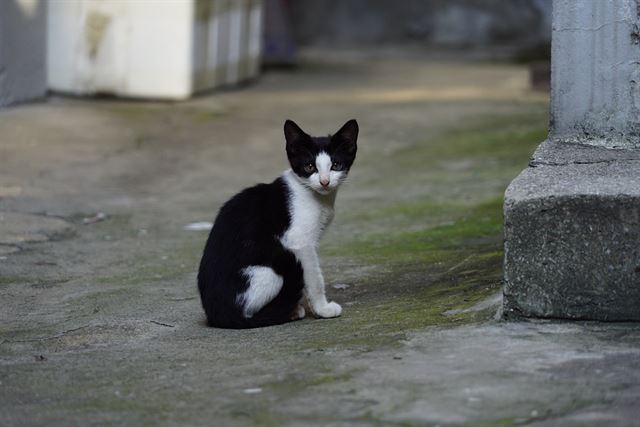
[436,23]
[22,51]
[154,49]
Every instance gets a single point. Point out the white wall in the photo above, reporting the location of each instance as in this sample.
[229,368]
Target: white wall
[137,49]
[164,49]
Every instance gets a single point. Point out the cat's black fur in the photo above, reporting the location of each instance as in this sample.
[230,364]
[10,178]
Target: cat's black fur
[247,232]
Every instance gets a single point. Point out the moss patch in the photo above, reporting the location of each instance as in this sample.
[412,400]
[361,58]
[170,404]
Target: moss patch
[200,115]
[11,280]
[138,111]
[478,227]
[503,139]
[410,297]
[467,164]
[154,267]
[426,260]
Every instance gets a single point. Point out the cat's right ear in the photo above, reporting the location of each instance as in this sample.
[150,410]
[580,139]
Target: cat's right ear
[293,134]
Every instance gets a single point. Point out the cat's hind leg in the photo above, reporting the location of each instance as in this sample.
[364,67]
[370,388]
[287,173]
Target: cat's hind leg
[298,312]
[264,286]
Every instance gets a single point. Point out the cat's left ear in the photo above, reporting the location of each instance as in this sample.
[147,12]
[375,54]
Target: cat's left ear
[348,135]
[293,133]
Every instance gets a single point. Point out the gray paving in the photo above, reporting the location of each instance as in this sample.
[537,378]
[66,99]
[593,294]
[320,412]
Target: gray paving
[100,322]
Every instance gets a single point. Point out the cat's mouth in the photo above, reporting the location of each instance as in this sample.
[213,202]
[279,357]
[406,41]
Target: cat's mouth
[325,190]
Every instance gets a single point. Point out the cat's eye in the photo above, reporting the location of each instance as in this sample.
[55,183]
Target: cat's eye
[336,166]
[309,168]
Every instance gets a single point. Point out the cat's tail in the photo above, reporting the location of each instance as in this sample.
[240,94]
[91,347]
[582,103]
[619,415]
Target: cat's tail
[244,323]
[228,317]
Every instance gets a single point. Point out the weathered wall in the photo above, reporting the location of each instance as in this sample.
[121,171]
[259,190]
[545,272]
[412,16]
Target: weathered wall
[600,40]
[152,49]
[123,48]
[22,51]
[438,23]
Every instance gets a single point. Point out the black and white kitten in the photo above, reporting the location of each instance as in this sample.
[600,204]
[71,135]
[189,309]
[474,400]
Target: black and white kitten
[260,258]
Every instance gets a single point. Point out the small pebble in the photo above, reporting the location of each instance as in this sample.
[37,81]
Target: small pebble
[198,226]
[100,216]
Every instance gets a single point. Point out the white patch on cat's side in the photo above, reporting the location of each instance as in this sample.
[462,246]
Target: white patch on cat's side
[264,285]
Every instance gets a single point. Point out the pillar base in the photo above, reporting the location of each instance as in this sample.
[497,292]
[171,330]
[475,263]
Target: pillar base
[572,235]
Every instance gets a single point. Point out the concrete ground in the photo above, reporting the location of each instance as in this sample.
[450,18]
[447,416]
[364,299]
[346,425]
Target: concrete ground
[100,321]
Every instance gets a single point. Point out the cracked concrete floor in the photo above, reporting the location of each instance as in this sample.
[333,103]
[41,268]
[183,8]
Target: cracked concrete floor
[100,322]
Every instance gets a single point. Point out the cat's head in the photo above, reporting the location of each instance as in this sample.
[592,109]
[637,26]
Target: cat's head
[321,163]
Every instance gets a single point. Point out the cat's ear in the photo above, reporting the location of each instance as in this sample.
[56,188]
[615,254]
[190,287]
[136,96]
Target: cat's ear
[348,135]
[293,134]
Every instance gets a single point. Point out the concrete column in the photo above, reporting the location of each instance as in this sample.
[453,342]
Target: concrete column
[595,88]
[572,218]
[22,51]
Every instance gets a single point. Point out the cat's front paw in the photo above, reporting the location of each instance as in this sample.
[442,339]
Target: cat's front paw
[328,310]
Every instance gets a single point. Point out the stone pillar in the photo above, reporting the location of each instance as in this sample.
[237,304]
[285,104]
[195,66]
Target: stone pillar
[595,88]
[572,218]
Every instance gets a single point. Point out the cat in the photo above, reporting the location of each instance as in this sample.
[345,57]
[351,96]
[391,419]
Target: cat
[260,258]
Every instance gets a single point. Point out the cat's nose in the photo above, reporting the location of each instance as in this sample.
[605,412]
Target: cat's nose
[324,182]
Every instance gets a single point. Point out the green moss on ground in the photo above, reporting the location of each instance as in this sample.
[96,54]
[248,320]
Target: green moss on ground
[429,259]
[295,383]
[502,139]
[200,115]
[477,227]
[138,111]
[473,161]
[11,280]
[410,297]
[132,111]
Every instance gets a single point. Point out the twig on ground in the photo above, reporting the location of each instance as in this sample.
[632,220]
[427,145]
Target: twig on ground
[162,324]
[181,298]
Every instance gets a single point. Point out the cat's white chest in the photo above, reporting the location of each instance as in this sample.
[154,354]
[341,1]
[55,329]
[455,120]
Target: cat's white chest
[310,215]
